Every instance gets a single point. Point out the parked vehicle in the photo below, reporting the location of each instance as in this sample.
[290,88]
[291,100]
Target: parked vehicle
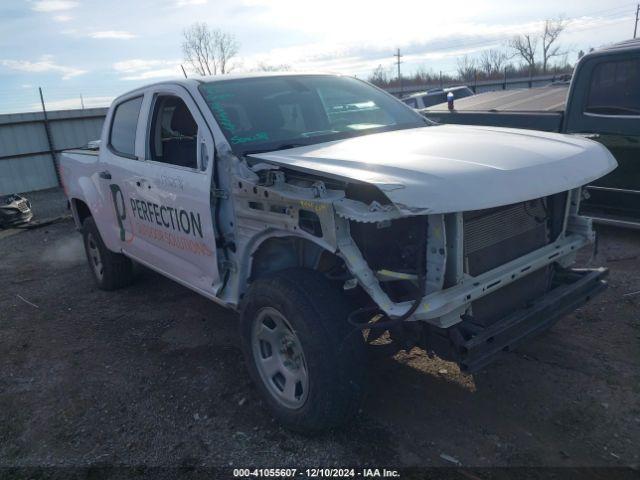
[436,96]
[14,210]
[319,206]
[603,103]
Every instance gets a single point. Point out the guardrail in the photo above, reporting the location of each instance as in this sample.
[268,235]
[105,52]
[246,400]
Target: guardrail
[484,85]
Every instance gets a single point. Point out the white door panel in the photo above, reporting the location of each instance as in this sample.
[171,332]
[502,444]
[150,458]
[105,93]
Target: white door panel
[170,207]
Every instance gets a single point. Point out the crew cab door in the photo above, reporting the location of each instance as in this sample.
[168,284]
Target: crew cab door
[605,105]
[169,189]
[117,160]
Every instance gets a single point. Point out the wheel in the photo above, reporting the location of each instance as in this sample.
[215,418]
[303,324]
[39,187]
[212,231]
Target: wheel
[110,270]
[306,360]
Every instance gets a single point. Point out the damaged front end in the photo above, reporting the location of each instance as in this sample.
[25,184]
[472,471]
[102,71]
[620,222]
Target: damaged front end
[494,277]
[14,210]
[467,285]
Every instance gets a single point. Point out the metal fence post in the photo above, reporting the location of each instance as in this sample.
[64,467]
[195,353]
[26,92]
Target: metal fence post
[47,132]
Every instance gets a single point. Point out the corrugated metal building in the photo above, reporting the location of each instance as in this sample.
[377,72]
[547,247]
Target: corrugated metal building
[25,157]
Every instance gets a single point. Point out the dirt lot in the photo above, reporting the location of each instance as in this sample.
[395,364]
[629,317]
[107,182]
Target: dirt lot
[153,375]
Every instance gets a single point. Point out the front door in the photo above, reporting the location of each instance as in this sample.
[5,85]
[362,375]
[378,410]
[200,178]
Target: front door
[170,193]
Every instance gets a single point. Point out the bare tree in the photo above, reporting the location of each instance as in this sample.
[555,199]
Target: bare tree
[466,68]
[550,49]
[525,47]
[379,76]
[265,67]
[492,62]
[209,51]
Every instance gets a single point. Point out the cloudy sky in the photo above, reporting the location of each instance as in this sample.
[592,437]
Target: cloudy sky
[101,48]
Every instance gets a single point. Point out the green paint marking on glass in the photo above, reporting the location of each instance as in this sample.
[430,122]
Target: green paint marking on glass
[214,98]
[236,139]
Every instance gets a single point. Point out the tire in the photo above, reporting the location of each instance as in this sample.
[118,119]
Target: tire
[316,343]
[110,270]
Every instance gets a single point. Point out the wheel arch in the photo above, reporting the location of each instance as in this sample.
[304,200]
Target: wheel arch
[80,210]
[276,250]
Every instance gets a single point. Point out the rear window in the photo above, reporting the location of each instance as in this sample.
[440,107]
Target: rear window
[615,88]
[412,102]
[124,126]
[434,99]
[462,92]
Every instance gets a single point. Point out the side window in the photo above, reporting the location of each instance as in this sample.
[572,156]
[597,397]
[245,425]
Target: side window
[122,137]
[434,99]
[174,133]
[412,102]
[615,88]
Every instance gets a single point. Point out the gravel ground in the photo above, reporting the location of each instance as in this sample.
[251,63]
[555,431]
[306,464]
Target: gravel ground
[152,375]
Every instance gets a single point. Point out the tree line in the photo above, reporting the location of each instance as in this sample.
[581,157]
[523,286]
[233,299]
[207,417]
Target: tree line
[524,55]
[209,51]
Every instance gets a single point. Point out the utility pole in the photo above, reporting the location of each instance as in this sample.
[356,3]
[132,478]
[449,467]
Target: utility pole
[47,132]
[398,57]
[635,30]
[82,101]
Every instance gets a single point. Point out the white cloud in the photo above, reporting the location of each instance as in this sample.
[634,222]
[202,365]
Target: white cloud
[74,102]
[141,69]
[62,18]
[53,5]
[117,34]
[44,65]
[187,3]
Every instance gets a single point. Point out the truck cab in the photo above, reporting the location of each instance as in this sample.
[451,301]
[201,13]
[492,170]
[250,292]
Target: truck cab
[320,207]
[604,104]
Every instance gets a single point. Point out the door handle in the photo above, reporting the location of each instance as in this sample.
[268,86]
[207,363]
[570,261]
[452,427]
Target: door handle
[141,182]
[105,175]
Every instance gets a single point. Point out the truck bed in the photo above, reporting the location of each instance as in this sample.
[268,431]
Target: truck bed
[529,108]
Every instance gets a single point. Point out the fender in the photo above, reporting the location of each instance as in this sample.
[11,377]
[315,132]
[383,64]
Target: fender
[244,258]
[101,206]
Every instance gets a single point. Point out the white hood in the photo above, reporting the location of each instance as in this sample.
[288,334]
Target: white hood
[453,168]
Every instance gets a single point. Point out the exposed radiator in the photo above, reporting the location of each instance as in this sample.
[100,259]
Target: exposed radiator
[495,236]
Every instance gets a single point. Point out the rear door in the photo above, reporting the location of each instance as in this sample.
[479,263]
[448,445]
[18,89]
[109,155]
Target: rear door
[117,161]
[606,106]
[171,190]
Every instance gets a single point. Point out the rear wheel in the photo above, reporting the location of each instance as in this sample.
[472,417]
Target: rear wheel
[110,270]
[306,360]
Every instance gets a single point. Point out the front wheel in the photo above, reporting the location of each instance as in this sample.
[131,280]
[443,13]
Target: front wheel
[306,360]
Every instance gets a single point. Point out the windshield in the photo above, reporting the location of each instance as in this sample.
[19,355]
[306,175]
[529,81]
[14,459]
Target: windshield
[271,113]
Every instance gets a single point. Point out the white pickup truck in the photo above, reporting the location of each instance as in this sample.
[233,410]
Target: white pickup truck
[327,212]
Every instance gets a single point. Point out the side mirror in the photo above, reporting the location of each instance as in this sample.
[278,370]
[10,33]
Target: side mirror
[204,155]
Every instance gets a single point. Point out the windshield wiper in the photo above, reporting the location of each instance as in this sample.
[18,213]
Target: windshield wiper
[283,146]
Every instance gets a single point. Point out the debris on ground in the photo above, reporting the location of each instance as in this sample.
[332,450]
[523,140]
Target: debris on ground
[450,459]
[20,297]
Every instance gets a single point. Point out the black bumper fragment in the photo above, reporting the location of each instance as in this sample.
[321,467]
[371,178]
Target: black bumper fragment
[573,288]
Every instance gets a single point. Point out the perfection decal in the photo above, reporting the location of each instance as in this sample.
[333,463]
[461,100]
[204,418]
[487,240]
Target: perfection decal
[176,223]
[174,218]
